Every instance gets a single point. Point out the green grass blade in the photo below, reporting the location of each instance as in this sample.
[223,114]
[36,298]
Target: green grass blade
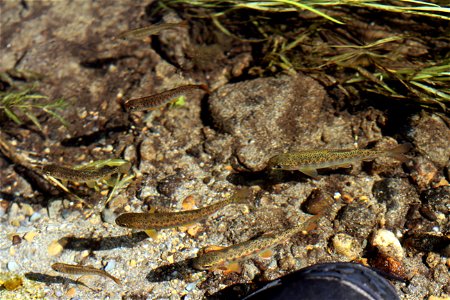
[12,116]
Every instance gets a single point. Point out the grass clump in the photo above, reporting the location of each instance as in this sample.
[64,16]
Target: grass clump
[366,48]
[25,104]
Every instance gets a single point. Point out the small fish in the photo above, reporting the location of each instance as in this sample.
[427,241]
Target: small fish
[158,100]
[309,161]
[227,258]
[148,221]
[82,270]
[80,175]
[143,32]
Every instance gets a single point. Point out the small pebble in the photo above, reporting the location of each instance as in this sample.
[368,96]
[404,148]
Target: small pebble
[16,240]
[13,283]
[189,287]
[56,247]
[12,266]
[110,265]
[13,211]
[27,209]
[84,254]
[347,198]
[108,216]
[35,216]
[95,219]
[132,263]
[387,243]
[15,222]
[432,259]
[388,264]
[71,292]
[170,259]
[317,202]
[3,207]
[29,236]
[347,245]
[188,203]
[54,208]
[66,213]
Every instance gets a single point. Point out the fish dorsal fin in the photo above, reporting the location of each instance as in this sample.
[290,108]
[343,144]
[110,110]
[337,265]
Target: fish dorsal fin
[212,248]
[159,209]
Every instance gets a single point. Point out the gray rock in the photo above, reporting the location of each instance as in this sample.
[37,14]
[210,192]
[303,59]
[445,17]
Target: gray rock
[438,198]
[358,220]
[13,211]
[397,194]
[54,208]
[267,115]
[431,136]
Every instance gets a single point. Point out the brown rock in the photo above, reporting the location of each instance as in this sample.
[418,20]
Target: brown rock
[317,202]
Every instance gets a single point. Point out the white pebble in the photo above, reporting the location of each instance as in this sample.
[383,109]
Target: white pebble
[388,244]
[110,265]
[190,286]
[35,216]
[12,266]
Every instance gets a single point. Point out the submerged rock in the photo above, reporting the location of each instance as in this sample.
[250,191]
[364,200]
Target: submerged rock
[397,194]
[267,115]
[431,136]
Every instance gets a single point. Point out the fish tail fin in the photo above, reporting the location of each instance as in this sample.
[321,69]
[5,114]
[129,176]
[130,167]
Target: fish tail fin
[243,196]
[116,280]
[399,152]
[184,24]
[205,88]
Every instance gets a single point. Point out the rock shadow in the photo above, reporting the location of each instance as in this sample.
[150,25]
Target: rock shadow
[265,179]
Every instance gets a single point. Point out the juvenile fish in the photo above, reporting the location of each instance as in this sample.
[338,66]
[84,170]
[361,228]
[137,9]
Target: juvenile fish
[224,258]
[80,175]
[158,100]
[143,32]
[309,161]
[82,270]
[148,221]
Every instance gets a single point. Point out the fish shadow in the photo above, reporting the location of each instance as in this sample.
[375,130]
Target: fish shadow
[178,270]
[235,291]
[48,279]
[265,179]
[104,243]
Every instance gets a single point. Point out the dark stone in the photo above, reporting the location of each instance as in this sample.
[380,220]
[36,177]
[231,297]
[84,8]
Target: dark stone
[358,220]
[397,194]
